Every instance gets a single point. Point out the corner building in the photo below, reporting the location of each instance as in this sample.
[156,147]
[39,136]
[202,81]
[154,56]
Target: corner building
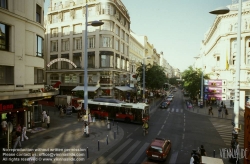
[21,61]
[108,46]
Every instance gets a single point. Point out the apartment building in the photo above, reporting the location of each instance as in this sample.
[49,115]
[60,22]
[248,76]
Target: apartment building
[22,61]
[219,49]
[108,46]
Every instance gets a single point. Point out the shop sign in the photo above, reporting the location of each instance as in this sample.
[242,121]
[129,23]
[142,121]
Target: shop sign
[6,107]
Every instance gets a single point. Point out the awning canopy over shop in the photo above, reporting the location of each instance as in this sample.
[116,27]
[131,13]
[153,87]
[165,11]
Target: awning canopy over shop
[89,88]
[124,88]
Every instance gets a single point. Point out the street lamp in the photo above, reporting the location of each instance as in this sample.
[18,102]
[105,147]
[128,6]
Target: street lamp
[93,23]
[143,95]
[226,10]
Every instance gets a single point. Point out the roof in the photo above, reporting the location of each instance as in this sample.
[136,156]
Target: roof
[81,88]
[158,142]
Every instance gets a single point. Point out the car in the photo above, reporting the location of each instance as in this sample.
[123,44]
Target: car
[164,105]
[169,99]
[168,102]
[171,95]
[158,149]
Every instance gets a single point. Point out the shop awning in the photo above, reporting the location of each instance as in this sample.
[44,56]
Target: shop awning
[81,88]
[124,88]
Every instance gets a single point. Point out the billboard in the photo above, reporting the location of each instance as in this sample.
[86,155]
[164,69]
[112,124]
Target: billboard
[208,96]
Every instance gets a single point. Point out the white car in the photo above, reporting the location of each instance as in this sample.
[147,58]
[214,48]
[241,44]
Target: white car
[171,95]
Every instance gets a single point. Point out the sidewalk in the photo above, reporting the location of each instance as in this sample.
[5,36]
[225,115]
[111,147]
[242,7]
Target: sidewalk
[67,133]
[204,111]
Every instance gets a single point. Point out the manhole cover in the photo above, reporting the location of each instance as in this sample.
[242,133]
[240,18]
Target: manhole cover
[47,137]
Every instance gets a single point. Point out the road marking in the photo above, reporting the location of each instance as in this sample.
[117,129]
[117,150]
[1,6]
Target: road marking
[136,129]
[139,153]
[162,126]
[177,110]
[172,110]
[159,132]
[124,155]
[129,135]
[114,153]
[165,122]
[183,135]
[184,129]
[173,157]
[181,110]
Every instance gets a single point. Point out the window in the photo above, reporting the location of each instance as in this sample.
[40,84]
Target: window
[54,46]
[66,16]
[107,26]
[91,42]
[65,31]
[106,41]
[3,4]
[6,75]
[55,18]
[248,58]
[64,64]
[39,51]
[121,48]
[77,58]
[127,38]
[117,30]
[78,14]
[77,29]
[116,45]
[4,37]
[38,13]
[126,50]
[65,45]
[107,61]
[127,64]
[91,61]
[38,76]
[54,32]
[118,62]
[123,64]
[54,65]
[78,43]
[122,34]
[107,9]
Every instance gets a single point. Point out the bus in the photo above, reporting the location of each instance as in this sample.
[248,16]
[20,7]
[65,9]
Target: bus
[107,108]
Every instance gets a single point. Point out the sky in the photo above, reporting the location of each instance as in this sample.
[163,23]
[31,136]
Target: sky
[174,27]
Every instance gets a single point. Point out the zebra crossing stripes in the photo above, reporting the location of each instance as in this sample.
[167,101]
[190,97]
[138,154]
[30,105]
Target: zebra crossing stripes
[139,153]
[225,131]
[175,110]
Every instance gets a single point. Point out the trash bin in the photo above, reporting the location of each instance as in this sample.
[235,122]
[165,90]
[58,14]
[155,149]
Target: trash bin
[93,119]
[108,125]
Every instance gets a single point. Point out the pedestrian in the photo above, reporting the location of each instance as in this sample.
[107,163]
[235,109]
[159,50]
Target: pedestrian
[4,127]
[79,115]
[203,151]
[226,112]
[48,121]
[219,111]
[19,129]
[223,112]
[61,111]
[18,141]
[44,115]
[32,158]
[210,110]
[24,133]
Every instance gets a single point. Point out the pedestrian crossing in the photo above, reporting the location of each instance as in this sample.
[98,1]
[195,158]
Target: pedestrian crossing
[173,110]
[225,131]
[129,151]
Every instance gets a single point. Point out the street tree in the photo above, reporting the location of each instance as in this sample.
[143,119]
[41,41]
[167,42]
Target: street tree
[192,81]
[155,76]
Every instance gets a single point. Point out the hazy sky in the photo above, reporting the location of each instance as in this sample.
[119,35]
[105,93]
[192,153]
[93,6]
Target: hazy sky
[175,27]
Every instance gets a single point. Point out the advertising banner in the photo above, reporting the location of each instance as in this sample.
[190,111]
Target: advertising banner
[214,96]
[214,90]
[213,82]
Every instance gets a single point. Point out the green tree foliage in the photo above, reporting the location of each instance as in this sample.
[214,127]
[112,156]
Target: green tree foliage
[192,81]
[154,76]
[79,94]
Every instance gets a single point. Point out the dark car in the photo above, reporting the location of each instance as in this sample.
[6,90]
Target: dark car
[164,105]
[159,149]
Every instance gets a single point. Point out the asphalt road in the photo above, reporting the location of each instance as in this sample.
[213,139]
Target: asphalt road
[185,129]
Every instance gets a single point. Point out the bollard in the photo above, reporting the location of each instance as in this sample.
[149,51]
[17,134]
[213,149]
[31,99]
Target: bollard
[87,152]
[114,135]
[108,125]
[107,139]
[113,122]
[214,153]
[98,146]
[117,128]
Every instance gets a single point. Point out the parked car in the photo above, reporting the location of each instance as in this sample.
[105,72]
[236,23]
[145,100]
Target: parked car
[158,149]
[171,95]
[169,99]
[164,105]
[168,102]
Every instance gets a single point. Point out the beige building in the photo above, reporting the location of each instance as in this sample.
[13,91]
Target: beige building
[22,59]
[219,49]
[108,46]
